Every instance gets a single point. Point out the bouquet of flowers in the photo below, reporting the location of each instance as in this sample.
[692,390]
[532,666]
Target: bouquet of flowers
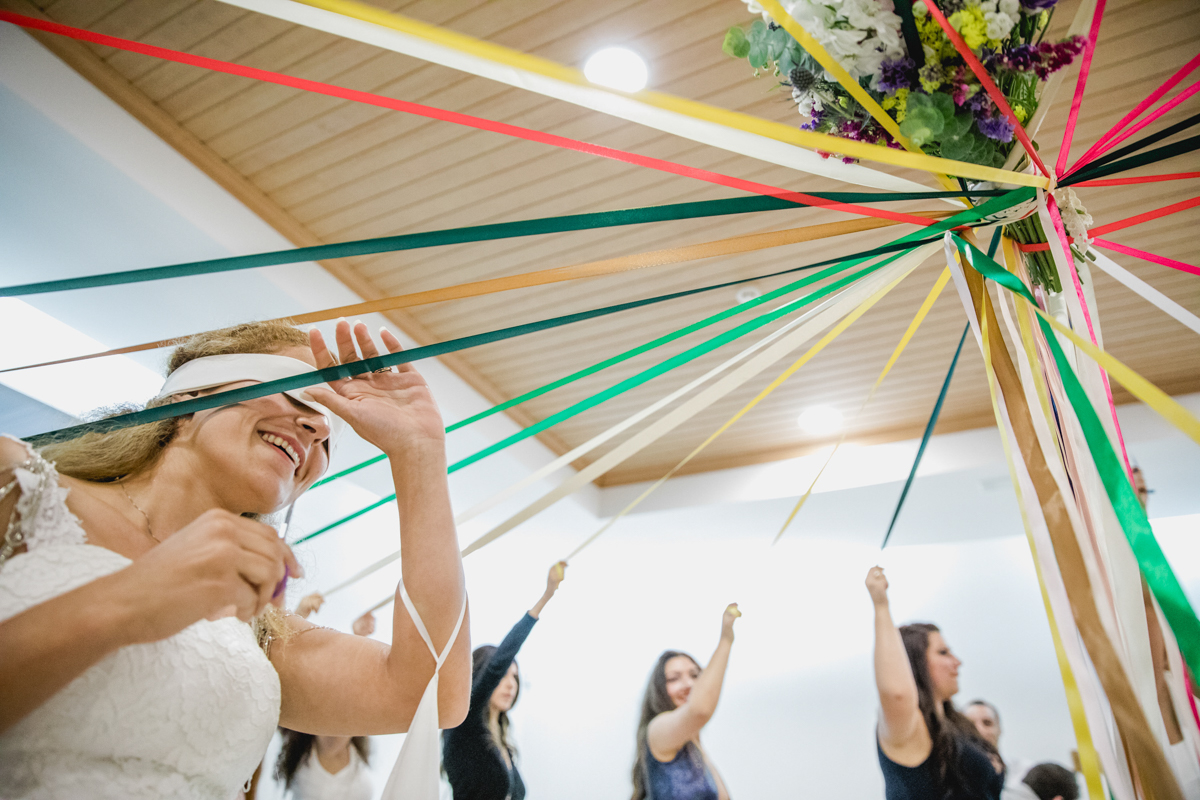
[930,91]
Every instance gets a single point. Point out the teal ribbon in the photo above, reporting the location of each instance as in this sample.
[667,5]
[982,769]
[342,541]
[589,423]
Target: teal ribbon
[474,233]
[965,217]
[1132,517]
[343,371]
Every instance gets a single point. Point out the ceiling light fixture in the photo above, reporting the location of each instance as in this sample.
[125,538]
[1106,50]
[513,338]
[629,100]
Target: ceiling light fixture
[820,420]
[617,68]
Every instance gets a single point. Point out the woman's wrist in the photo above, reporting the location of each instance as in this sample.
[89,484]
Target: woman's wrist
[112,614]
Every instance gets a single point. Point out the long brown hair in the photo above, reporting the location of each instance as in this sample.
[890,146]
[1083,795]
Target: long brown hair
[950,731]
[479,661]
[298,747]
[655,702]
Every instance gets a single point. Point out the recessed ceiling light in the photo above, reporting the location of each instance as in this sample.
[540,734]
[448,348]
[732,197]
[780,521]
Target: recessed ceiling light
[748,293]
[617,68]
[820,420]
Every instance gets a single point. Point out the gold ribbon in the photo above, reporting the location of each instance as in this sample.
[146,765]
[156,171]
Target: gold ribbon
[609,266]
[689,108]
[922,312]
[1155,774]
[837,330]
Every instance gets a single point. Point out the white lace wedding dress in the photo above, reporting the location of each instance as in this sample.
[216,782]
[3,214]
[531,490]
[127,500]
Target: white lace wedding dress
[185,717]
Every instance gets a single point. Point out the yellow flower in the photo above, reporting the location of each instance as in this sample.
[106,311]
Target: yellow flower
[971,25]
[1021,113]
[901,102]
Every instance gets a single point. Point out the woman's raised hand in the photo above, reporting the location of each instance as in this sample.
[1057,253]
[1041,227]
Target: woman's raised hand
[731,614]
[364,625]
[557,573]
[391,409]
[219,565]
[310,604]
[877,586]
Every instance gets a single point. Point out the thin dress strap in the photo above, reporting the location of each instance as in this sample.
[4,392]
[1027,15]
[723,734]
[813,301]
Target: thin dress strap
[421,629]
[41,507]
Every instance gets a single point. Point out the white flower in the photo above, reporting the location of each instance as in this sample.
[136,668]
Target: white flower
[1010,7]
[998,25]
[920,10]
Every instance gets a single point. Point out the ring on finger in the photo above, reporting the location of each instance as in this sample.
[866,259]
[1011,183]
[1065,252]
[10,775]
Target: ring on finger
[382,369]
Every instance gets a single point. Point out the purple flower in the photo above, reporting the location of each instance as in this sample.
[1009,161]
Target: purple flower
[1037,6]
[897,75]
[1042,59]
[998,128]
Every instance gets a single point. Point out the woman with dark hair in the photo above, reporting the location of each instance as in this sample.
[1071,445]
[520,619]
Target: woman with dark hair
[681,698]
[927,749]
[326,767]
[477,755]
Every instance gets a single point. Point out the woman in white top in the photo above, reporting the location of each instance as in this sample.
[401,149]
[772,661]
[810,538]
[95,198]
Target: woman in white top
[326,767]
[127,577]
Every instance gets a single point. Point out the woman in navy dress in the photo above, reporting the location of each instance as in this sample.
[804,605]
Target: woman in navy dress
[927,749]
[671,764]
[477,755]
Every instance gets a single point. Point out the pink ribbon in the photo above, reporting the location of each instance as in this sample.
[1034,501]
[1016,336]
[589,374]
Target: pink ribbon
[1158,112]
[1154,97]
[1080,85]
[1142,254]
[1061,230]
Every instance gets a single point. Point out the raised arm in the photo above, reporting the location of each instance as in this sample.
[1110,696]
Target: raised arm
[484,683]
[670,731]
[900,721]
[339,684]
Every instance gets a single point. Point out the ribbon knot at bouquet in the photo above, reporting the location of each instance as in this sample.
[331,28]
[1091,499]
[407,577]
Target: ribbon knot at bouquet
[913,79]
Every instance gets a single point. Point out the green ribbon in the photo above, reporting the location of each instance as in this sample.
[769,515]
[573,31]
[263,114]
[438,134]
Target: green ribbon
[970,215]
[474,233]
[350,369]
[1153,564]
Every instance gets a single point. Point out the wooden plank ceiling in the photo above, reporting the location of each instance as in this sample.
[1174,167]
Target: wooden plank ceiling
[324,170]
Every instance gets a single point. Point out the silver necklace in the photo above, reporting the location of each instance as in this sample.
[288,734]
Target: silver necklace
[145,516]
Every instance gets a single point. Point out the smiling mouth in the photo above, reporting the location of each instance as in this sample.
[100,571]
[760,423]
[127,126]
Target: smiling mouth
[283,447]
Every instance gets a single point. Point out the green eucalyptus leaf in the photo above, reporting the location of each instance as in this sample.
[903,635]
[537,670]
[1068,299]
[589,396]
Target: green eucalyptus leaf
[958,148]
[785,63]
[757,54]
[917,100]
[922,125]
[736,44]
[777,42]
[943,103]
[957,126]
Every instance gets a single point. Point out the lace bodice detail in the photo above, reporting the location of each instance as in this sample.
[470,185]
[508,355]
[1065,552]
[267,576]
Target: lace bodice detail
[185,717]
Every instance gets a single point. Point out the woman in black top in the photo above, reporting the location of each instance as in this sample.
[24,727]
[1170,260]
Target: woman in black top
[927,750]
[477,755]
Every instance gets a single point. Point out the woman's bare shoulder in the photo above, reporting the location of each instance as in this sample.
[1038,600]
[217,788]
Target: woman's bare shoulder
[13,452]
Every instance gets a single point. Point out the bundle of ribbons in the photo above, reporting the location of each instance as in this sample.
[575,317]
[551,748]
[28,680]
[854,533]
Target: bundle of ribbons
[1124,632]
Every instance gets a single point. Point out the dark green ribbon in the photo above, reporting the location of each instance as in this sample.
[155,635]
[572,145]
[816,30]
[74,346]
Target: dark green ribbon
[1095,171]
[1157,572]
[474,233]
[905,242]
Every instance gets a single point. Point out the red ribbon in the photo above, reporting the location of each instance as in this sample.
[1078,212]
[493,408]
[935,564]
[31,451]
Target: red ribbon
[452,116]
[1174,176]
[1171,83]
[1089,50]
[986,81]
[1137,219]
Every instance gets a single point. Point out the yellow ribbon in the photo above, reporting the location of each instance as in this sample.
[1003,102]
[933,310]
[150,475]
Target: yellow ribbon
[690,108]
[1089,760]
[836,331]
[922,312]
[1138,386]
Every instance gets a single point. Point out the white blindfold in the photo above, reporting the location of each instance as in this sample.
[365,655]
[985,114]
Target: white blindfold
[212,371]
